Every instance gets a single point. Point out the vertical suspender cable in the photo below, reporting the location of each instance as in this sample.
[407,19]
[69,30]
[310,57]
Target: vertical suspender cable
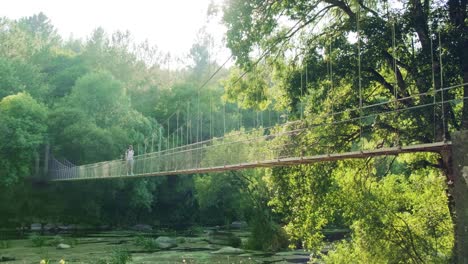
[198,115]
[433,88]
[306,77]
[442,87]
[160,138]
[177,131]
[394,60]
[187,120]
[238,117]
[261,118]
[152,142]
[331,76]
[359,75]
[395,94]
[191,124]
[269,117]
[211,116]
[301,94]
[224,118]
[257,122]
[167,144]
[306,82]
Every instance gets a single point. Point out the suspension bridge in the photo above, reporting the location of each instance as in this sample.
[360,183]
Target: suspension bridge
[289,143]
[329,136]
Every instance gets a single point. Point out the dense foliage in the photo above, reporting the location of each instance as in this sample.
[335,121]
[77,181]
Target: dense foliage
[319,58]
[88,100]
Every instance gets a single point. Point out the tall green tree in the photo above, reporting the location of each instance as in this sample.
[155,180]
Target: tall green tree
[23,128]
[328,56]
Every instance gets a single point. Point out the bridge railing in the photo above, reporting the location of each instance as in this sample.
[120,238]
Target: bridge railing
[369,127]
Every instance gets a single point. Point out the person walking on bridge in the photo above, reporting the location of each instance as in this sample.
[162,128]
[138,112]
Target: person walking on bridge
[129,158]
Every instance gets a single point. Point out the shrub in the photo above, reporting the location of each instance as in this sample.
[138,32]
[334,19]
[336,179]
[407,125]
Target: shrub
[72,241]
[234,241]
[267,236]
[4,244]
[194,230]
[147,243]
[56,240]
[37,240]
[118,256]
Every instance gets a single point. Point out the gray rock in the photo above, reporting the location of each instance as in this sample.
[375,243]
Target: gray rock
[239,224]
[166,242]
[223,238]
[180,240]
[63,246]
[67,227]
[36,227]
[229,250]
[50,227]
[142,228]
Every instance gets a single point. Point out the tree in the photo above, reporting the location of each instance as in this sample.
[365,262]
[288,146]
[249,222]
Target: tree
[23,129]
[19,76]
[362,53]
[404,69]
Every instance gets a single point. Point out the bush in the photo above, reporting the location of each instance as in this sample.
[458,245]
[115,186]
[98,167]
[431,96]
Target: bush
[55,241]
[118,256]
[267,236]
[234,241]
[71,241]
[4,244]
[37,240]
[194,230]
[147,243]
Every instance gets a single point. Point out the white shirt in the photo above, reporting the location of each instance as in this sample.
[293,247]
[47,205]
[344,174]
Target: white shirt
[129,154]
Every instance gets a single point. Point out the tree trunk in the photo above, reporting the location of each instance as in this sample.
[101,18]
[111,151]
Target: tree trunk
[456,164]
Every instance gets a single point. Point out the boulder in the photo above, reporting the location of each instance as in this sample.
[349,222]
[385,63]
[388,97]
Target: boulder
[142,228]
[180,240]
[70,227]
[239,224]
[223,238]
[36,227]
[165,242]
[228,250]
[50,227]
[63,246]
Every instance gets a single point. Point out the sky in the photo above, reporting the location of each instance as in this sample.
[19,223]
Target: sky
[171,25]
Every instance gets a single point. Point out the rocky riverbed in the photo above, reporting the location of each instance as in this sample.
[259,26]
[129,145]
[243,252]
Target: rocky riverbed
[143,246]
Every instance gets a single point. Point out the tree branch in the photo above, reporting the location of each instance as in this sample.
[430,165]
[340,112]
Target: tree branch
[344,7]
